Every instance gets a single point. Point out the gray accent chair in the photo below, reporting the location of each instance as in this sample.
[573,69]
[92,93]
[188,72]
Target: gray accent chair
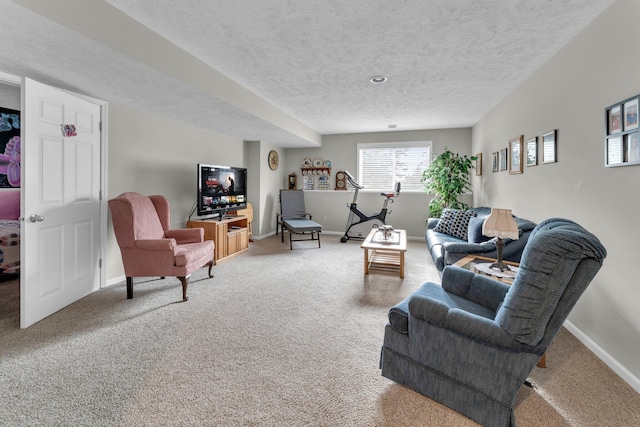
[471,343]
[294,218]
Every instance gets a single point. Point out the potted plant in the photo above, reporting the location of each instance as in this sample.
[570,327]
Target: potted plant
[447,177]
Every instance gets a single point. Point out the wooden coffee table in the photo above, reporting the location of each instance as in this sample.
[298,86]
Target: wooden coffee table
[385,254]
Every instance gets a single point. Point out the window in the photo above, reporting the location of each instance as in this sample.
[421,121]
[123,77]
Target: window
[381,165]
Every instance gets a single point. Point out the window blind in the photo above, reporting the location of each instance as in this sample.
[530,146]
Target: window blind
[380,166]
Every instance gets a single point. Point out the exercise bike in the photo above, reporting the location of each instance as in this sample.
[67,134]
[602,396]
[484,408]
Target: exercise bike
[359,225]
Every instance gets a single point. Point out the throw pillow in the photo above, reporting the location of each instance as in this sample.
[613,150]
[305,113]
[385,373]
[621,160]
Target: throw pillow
[455,222]
[445,221]
[475,230]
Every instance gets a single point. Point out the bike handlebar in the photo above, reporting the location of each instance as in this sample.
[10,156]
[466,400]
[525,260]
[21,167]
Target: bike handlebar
[353,183]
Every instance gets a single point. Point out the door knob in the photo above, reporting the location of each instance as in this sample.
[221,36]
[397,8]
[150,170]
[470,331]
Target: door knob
[34,218]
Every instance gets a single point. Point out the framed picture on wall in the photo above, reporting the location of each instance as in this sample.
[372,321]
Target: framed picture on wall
[631,114]
[478,164]
[494,161]
[614,150]
[614,120]
[515,154]
[622,140]
[532,151]
[632,147]
[503,159]
[9,148]
[549,147]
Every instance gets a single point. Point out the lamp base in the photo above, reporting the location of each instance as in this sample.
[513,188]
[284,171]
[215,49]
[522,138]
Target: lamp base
[499,265]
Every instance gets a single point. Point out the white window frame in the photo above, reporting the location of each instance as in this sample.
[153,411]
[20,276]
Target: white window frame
[370,183]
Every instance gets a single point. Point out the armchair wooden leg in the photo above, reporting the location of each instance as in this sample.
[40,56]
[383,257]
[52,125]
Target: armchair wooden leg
[185,283]
[210,267]
[129,287]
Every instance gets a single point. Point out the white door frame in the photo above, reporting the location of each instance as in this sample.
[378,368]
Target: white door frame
[14,80]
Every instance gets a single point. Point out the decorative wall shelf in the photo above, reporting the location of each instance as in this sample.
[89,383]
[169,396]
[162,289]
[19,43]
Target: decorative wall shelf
[316,171]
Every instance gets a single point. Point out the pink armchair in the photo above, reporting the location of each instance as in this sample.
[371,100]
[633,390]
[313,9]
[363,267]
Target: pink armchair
[149,247]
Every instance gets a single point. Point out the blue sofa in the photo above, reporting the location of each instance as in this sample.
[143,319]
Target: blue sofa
[446,249]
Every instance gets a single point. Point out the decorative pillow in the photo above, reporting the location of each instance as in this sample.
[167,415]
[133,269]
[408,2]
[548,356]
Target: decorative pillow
[475,230]
[455,222]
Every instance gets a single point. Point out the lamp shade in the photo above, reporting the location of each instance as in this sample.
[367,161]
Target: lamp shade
[500,224]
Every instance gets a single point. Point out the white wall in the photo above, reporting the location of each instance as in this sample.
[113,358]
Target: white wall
[409,211]
[265,186]
[10,96]
[569,93]
[154,155]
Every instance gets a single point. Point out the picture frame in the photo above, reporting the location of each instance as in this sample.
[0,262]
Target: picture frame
[614,120]
[10,147]
[532,151]
[478,165]
[631,114]
[516,155]
[622,140]
[632,148]
[549,150]
[494,161]
[614,153]
[503,159]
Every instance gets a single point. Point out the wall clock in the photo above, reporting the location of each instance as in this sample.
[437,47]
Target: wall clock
[274,160]
[341,181]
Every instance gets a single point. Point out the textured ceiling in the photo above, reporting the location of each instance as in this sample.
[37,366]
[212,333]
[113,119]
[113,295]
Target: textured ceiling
[448,62]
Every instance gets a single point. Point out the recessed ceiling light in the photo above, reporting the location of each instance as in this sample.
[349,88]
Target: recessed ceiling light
[378,80]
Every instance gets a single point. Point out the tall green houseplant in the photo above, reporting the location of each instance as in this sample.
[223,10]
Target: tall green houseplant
[447,177]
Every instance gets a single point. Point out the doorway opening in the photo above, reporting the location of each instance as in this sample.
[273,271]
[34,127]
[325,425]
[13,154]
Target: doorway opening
[62,216]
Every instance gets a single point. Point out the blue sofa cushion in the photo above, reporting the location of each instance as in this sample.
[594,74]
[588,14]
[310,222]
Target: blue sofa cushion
[455,222]
[474,234]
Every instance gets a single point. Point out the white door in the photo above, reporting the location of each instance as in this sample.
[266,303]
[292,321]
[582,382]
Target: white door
[60,233]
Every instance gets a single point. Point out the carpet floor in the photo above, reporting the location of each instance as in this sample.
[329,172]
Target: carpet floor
[276,338]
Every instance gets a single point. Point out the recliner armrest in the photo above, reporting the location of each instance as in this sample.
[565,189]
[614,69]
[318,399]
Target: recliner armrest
[157,244]
[461,322]
[186,235]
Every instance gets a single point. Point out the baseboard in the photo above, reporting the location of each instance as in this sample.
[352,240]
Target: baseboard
[335,233]
[609,360]
[116,280]
[264,236]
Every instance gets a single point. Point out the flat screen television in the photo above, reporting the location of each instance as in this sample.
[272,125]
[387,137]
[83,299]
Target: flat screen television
[221,189]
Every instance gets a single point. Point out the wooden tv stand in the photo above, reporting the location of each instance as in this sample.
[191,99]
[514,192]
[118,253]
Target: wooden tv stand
[230,235]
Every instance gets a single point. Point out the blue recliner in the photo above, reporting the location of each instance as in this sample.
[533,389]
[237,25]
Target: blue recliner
[471,343]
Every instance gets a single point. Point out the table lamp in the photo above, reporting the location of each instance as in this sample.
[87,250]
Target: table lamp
[500,224]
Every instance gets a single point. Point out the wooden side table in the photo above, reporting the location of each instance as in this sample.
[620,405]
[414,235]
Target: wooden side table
[480,265]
